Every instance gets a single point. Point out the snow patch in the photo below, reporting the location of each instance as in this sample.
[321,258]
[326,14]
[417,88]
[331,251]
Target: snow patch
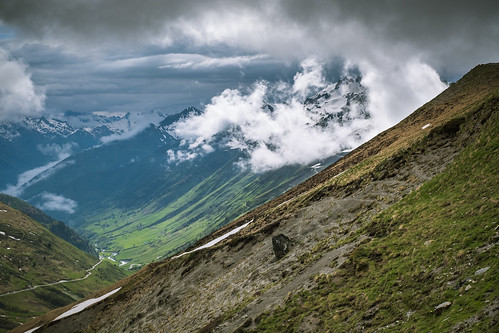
[83,305]
[216,240]
[425,126]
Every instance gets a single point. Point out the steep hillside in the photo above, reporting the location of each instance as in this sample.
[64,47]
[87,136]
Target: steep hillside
[399,235]
[31,256]
[58,228]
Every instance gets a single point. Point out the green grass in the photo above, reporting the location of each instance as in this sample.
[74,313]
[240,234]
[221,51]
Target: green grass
[424,251]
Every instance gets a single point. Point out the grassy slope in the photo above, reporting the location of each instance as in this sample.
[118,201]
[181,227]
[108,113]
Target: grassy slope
[39,257]
[56,227]
[19,308]
[425,250]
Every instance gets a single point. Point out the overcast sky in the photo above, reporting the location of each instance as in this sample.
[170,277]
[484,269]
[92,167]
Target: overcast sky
[128,55]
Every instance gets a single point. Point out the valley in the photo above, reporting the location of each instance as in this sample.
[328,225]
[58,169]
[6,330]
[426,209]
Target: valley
[219,166]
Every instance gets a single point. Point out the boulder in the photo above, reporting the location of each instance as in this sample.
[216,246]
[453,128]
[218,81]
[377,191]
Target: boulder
[281,245]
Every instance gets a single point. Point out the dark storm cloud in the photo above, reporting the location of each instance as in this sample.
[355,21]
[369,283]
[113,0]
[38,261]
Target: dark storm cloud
[230,55]
[446,33]
[139,80]
[132,55]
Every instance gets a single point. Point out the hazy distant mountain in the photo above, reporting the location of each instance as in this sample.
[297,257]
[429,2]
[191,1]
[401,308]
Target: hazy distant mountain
[34,143]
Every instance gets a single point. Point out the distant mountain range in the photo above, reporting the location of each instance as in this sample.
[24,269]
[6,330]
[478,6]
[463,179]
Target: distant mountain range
[35,143]
[143,195]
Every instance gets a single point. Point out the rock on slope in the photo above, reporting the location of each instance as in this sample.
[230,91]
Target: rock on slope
[400,235]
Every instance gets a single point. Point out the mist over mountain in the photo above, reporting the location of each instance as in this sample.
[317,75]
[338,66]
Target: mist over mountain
[34,145]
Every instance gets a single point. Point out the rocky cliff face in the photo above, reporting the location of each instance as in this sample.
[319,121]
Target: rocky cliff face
[380,239]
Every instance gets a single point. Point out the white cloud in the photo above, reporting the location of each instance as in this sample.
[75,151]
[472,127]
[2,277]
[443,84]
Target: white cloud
[395,90]
[287,132]
[197,61]
[59,151]
[311,78]
[126,135]
[35,175]
[135,123]
[54,202]
[273,137]
[18,94]
[180,156]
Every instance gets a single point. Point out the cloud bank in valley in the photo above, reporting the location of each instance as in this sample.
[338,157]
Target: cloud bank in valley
[53,202]
[33,176]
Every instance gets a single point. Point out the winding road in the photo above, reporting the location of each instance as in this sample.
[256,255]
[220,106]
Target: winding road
[89,272]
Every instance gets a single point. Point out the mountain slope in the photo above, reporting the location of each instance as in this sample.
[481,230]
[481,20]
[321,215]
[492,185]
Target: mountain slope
[399,235]
[30,256]
[209,205]
[58,228]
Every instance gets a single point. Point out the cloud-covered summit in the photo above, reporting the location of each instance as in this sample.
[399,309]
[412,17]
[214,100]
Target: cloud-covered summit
[277,124]
[18,94]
